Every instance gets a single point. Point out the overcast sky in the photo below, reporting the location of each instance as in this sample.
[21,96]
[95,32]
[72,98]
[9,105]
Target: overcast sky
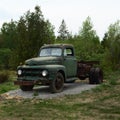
[74,12]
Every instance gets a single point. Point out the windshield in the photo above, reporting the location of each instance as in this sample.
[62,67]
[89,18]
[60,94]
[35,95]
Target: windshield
[50,52]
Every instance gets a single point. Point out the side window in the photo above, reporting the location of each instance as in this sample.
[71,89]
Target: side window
[68,52]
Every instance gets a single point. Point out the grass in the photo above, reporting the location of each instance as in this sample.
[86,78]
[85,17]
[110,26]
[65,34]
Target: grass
[99,103]
[4,76]
[8,85]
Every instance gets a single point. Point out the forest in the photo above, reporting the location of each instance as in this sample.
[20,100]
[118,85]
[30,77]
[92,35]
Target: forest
[22,39]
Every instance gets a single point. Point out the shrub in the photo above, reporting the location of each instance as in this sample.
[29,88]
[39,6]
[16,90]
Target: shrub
[4,58]
[4,76]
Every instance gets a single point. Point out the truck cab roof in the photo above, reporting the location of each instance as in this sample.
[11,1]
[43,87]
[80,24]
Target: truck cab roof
[67,49]
[57,45]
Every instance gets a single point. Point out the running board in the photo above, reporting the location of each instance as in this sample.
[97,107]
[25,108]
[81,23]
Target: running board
[71,79]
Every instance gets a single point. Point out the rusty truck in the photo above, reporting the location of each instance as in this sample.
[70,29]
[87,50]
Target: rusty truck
[55,65]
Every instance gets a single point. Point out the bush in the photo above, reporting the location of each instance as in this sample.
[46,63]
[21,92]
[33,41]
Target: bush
[4,58]
[4,76]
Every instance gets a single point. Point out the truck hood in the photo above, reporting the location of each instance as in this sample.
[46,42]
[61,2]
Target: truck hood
[43,61]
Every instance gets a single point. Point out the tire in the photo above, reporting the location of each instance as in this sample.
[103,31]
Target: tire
[26,87]
[92,76]
[57,84]
[98,76]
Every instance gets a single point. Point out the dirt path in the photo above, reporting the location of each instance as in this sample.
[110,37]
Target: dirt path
[43,92]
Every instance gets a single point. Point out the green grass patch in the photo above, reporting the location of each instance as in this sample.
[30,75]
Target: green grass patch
[7,85]
[4,76]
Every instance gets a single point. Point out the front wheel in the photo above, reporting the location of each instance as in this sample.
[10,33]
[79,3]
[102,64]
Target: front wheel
[26,87]
[57,84]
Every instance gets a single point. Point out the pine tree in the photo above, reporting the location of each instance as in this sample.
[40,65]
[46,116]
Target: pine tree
[90,44]
[63,32]
[33,32]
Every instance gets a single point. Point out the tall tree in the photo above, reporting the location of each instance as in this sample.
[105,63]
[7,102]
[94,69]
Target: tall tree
[5,54]
[104,41]
[63,32]
[87,32]
[8,43]
[27,35]
[9,34]
[49,32]
[90,44]
[1,41]
[33,32]
[112,43]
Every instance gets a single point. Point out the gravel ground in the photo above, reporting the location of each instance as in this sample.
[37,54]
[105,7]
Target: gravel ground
[43,92]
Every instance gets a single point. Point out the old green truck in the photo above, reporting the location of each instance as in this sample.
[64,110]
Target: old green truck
[55,65]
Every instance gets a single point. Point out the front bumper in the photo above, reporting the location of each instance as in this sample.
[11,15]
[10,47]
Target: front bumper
[25,82]
[31,81]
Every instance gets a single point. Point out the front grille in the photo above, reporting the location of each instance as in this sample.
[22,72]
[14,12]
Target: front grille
[31,72]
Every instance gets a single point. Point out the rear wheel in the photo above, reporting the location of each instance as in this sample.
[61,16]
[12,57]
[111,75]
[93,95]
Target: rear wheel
[26,87]
[92,76]
[98,76]
[57,84]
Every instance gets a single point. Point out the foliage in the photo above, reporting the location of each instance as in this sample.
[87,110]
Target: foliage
[22,39]
[86,32]
[9,34]
[111,42]
[86,43]
[1,41]
[5,54]
[7,78]
[90,43]
[63,33]
[25,37]
[4,76]
[33,32]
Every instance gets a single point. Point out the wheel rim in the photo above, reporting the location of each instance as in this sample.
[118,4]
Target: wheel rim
[58,83]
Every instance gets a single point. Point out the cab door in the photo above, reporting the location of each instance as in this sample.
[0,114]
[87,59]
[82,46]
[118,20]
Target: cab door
[70,62]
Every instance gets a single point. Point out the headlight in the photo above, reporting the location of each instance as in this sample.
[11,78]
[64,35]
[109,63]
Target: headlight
[19,72]
[44,73]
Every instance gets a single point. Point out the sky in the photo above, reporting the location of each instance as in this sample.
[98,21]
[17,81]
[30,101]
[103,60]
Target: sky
[74,12]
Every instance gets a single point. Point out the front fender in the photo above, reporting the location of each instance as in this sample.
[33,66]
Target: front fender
[53,69]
